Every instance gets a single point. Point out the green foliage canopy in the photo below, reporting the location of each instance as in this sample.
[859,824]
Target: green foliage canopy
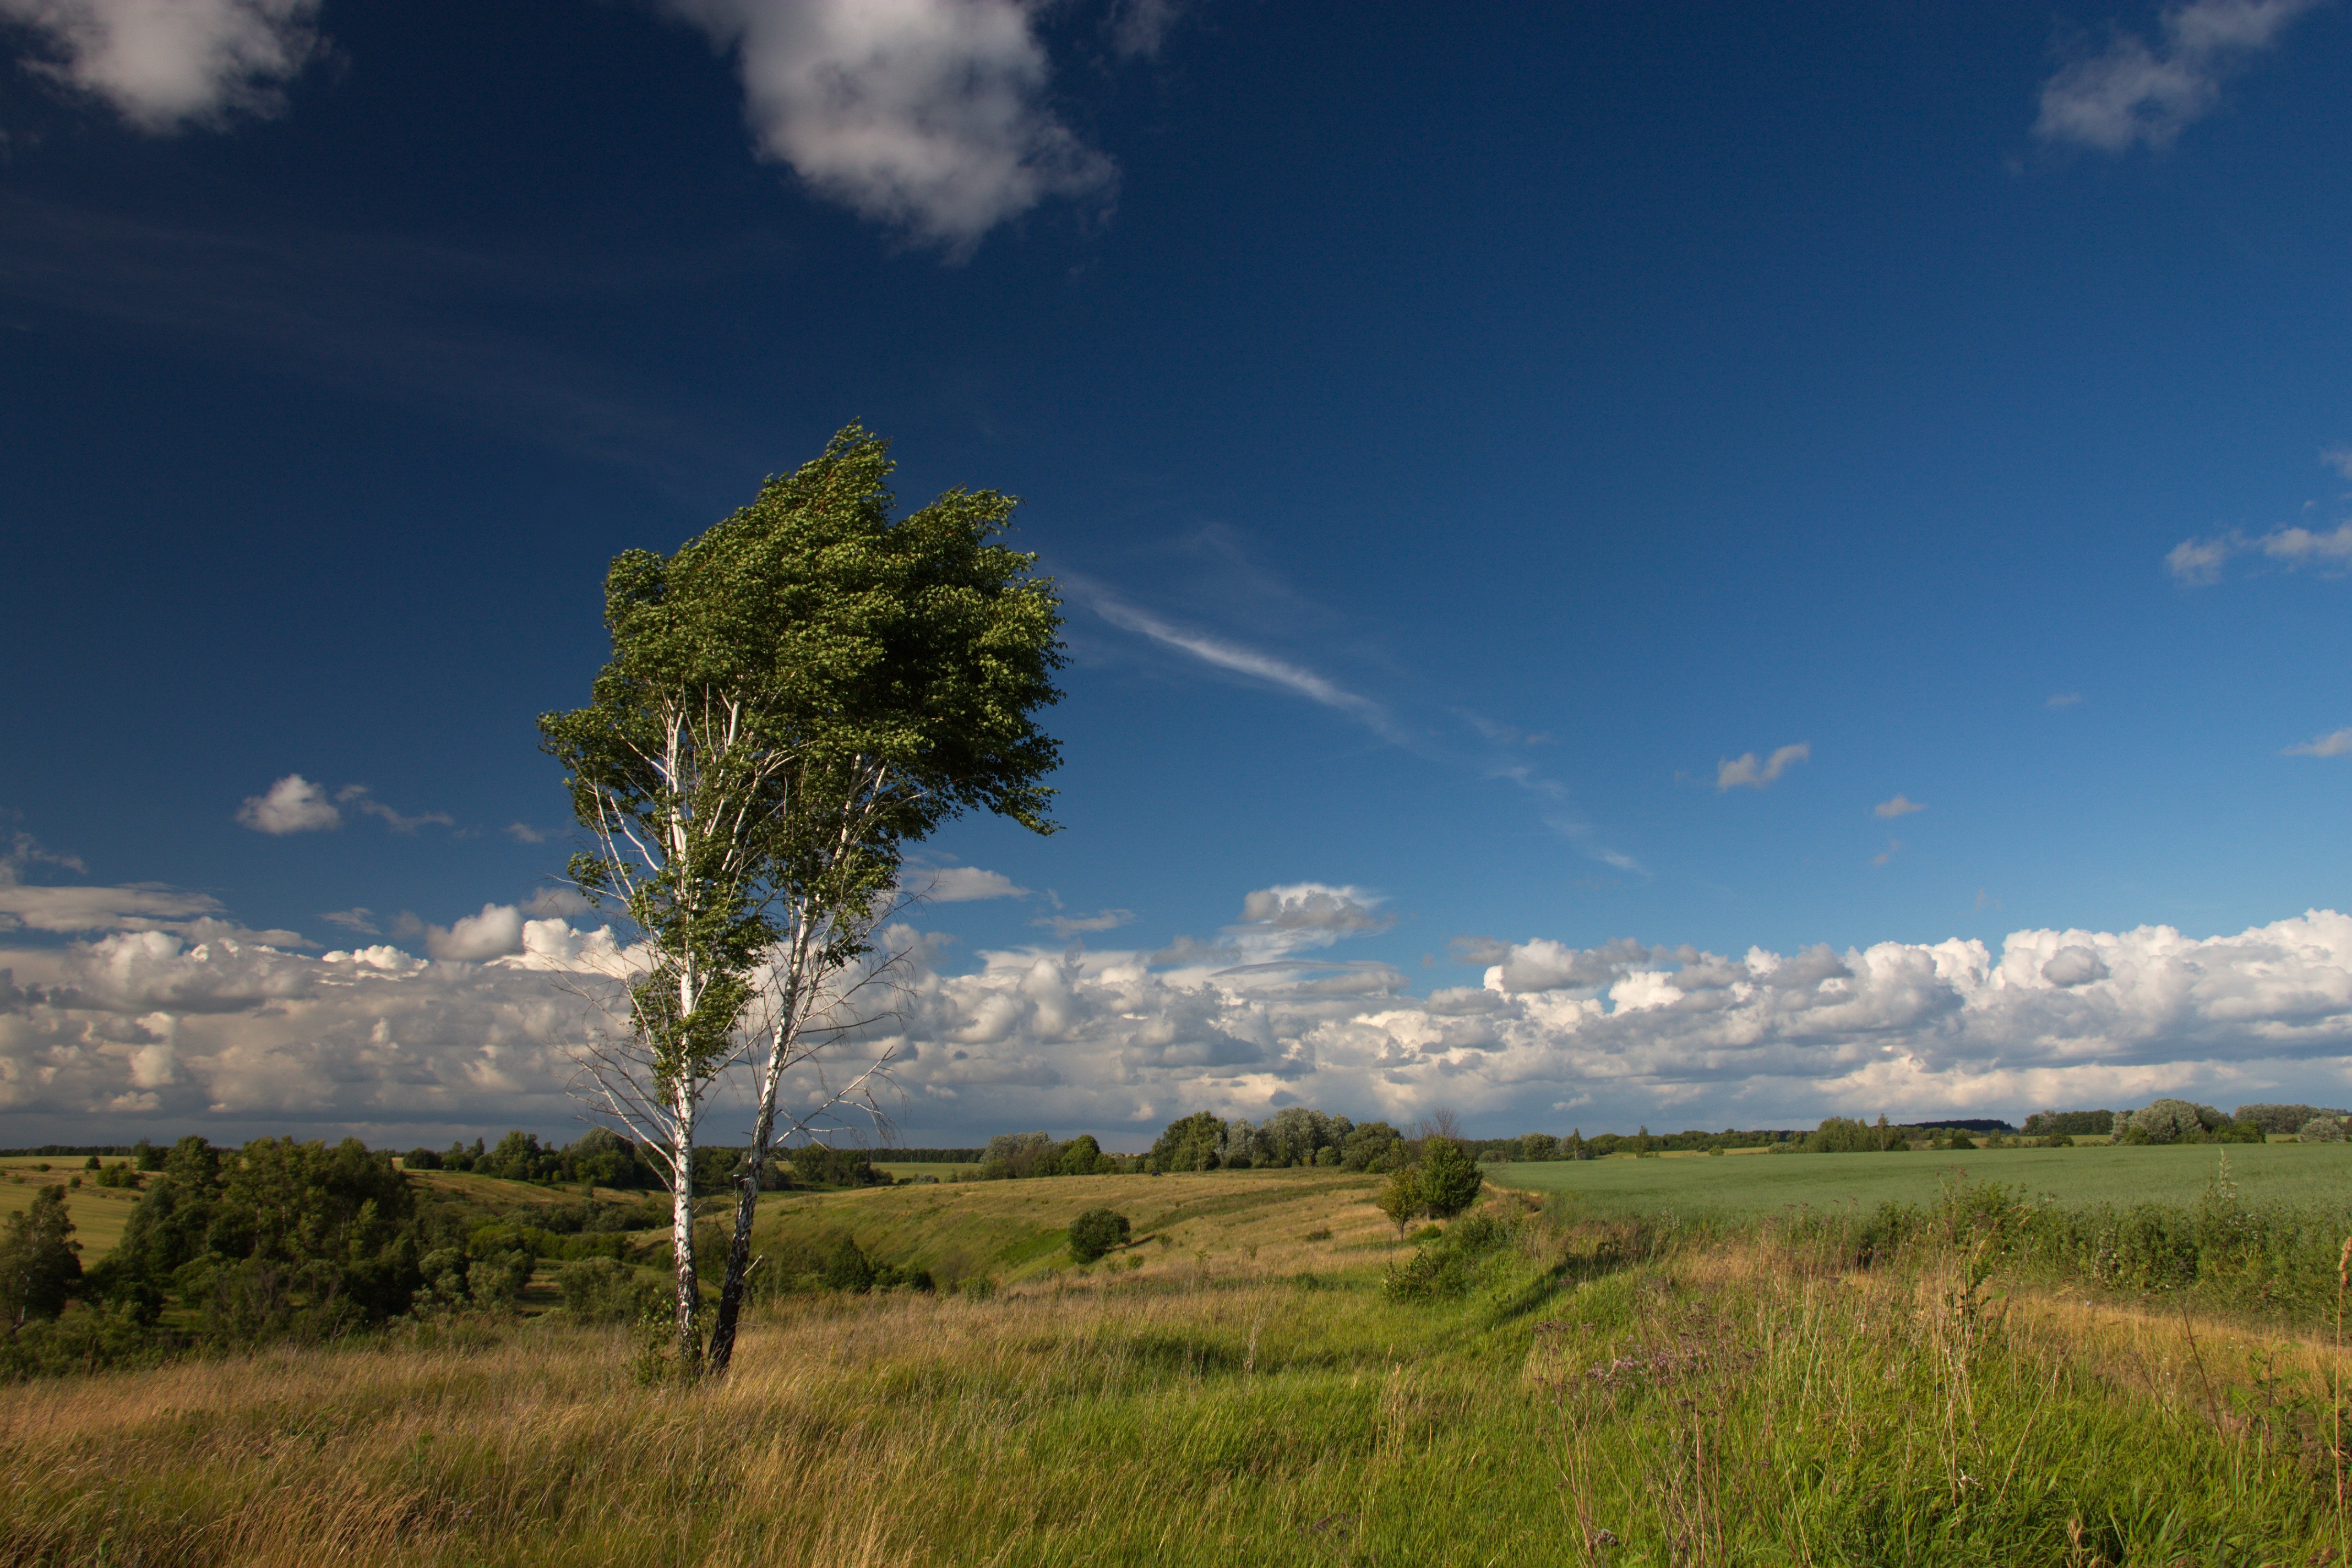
[806,653]
[1450,1179]
[39,1261]
[1095,1232]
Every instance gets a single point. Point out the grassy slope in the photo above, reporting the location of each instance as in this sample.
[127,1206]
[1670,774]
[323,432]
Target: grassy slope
[1017,1230]
[1742,1405]
[1768,1183]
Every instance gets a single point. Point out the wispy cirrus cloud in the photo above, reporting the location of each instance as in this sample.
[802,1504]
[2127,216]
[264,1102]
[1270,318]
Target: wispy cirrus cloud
[2137,92]
[1502,758]
[361,800]
[1240,659]
[1069,926]
[1901,806]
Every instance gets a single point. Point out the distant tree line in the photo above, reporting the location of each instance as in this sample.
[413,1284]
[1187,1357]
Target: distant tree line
[1010,1155]
[1293,1136]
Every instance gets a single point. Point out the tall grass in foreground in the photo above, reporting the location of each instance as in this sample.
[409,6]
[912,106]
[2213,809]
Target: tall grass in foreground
[1551,1394]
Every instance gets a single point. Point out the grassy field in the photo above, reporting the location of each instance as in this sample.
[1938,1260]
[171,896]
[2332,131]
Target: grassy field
[98,1212]
[1741,1187]
[1238,1385]
[1014,1232]
[1244,1391]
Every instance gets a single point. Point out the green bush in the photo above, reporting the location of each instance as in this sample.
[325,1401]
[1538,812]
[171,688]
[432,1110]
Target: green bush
[2322,1130]
[2278,1118]
[1373,1146]
[607,1291]
[1095,1232]
[494,1284]
[1449,1263]
[847,1268]
[1844,1135]
[2175,1120]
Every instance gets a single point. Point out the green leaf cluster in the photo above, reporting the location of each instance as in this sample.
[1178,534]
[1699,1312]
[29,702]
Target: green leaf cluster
[792,696]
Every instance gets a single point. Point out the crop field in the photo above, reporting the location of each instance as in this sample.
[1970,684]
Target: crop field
[1750,1185]
[1266,1373]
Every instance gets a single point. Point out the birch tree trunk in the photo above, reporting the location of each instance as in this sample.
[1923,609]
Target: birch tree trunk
[681,1231]
[747,1203]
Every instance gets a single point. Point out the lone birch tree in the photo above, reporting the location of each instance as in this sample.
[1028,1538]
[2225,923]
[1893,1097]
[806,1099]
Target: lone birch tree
[792,698]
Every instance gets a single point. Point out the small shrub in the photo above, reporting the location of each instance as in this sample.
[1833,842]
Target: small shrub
[1095,1232]
[1448,1262]
[847,1268]
[494,1283]
[607,1291]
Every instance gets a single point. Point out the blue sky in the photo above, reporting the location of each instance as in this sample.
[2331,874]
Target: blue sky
[1463,437]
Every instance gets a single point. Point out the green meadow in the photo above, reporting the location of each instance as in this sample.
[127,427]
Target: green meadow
[1750,1185]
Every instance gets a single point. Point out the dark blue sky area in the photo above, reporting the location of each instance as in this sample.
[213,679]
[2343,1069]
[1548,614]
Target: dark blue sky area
[1389,385]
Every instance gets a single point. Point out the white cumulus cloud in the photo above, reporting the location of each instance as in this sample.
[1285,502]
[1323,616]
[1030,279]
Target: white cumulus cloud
[292,805]
[165,63]
[2200,562]
[1280,921]
[962,885]
[2333,744]
[2136,91]
[1901,806]
[1744,772]
[927,114]
[136,1030]
[494,933]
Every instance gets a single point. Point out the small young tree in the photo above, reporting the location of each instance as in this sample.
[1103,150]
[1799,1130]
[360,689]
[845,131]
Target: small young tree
[1450,1180]
[39,1261]
[1401,1197]
[793,697]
